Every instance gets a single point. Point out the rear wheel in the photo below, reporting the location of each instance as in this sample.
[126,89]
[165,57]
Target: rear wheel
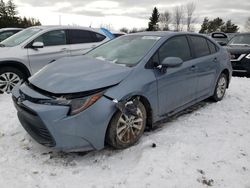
[9,78]
[220,88]
[125,131]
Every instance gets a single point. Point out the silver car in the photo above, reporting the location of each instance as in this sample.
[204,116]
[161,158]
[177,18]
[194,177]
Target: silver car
[28,51]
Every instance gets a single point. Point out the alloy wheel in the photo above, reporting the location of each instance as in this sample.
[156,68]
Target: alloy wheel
[8,81]
[221,87]
[129,128]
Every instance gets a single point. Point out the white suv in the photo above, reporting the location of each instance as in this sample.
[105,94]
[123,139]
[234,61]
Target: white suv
[28,51]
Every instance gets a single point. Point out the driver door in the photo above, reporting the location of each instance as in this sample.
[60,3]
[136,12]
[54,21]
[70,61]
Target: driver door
[55,47]
[177,86]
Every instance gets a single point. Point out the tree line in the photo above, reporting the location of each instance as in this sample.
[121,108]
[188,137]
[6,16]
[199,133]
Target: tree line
[9,16]
[182,18]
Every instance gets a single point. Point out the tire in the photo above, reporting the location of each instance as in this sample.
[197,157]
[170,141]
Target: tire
[220,88]
[9,78]
[114,133]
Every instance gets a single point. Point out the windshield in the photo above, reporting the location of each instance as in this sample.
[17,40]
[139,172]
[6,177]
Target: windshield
[127,50]
[240,40]
[20,37]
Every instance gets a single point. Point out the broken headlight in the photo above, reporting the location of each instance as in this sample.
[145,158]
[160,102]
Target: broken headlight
[76,105]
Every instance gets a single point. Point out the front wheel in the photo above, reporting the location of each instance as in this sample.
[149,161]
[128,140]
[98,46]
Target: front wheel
[124,131]
[9,78]
[220,88]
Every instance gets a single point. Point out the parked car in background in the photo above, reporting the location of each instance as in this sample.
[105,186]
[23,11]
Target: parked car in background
[113,92]
[31,49]
[239,48]
[220,37]
[7,32]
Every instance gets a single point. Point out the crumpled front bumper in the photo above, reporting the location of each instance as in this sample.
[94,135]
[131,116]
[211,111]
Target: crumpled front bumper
[51,126]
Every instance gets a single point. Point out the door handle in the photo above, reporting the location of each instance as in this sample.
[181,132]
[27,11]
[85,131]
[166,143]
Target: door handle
[93,46]
[193,68]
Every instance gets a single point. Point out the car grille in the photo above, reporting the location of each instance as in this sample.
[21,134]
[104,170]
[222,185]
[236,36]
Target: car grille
[32,123]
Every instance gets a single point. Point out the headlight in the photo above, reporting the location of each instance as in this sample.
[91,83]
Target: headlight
[76,105]
[248,56]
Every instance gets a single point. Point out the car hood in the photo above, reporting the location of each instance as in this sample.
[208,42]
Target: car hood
[78,74]
[238,49]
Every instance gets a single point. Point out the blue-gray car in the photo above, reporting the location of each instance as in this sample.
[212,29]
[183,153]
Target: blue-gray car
[111,94]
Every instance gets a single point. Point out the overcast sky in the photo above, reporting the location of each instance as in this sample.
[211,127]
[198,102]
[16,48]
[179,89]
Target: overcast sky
[125,13]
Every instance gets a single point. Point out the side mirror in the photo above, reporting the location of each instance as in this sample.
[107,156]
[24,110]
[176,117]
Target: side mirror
[38,45]
[172,62]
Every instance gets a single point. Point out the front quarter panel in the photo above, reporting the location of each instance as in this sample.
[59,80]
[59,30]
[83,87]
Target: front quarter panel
[138,83]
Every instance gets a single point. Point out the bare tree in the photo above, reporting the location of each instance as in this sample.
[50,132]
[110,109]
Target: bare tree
[178,16]
[165,19]
[247,25]
[190,8]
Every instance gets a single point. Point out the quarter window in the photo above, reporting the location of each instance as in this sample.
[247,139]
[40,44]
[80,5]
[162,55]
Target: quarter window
[175,47]
[97,37]
[53,38]
[200,46]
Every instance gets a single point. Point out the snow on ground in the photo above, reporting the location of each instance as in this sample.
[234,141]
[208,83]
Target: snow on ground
[207,147]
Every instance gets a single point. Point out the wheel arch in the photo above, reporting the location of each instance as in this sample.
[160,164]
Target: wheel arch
[17,65]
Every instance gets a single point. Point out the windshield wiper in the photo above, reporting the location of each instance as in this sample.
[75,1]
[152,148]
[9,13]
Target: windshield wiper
[2,45]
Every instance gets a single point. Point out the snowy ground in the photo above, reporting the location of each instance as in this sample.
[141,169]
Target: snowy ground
[207,147]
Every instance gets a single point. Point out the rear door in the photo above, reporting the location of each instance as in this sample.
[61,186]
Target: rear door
[81,41]
[55,47]
[206,59]
[177,86]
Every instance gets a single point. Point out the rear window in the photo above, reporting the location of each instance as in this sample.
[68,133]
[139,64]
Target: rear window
[200,46]
[84,36]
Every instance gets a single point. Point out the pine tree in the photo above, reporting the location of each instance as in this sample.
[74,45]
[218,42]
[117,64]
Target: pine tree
[11,9]
[229,27]
[204,26]
[3,12]
[154,19]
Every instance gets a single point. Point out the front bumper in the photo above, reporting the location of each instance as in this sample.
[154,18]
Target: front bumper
[50,125]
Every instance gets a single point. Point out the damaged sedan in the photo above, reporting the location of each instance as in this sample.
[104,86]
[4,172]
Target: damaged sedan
[111,94]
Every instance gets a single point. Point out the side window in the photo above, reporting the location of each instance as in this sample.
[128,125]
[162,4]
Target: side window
[212,47]
[80,36]
[200,46]
[53,38]
[175,47]
[97,37]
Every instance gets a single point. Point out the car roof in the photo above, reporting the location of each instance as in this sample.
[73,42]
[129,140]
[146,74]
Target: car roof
[45,27]
[165,33]
[10,28]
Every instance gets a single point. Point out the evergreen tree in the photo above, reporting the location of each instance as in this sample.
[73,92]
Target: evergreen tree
[154,19]
[204,26]
[215,25]
[9,17]
[218,25]
[229,27]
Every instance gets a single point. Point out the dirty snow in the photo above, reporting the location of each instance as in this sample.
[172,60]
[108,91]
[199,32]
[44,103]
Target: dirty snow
[208,147]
